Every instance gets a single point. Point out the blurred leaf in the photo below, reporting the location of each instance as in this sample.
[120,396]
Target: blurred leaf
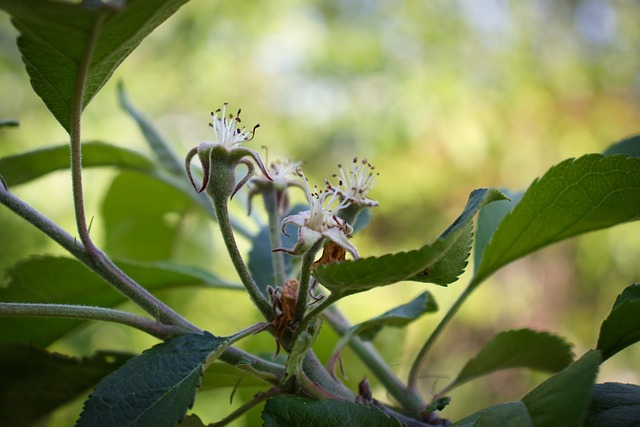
[28,166]
[60,41]
[622,327]
[512,414]
[48,279]
[521,348]
[288,411]
[573,197]
[397,317]
[222,375]
[614,405]
[366,273]
[9,123]
[629,146]
[160,146]
[34,382]
[142,217]
[154,388]
[489,218]
[563,399]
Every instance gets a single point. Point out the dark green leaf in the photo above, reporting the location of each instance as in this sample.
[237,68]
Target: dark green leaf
[366,273]
[512,414]
[67,281]
[28,166]
[160,146]
[629,146]
[521,348]
[155,388]
[34,382]
[614,405]
[622,327]
[288,411]
[573,197]
[56,38]
[563,399]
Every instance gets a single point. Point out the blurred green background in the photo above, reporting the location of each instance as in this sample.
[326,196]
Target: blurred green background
[441,96]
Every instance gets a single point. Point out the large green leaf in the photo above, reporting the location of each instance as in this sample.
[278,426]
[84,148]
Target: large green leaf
[574,197]
[34,382]
[622,327]
[614,405]
[62,41]
[366,273]
[563,399]
[511,414]
[66,281]
[521,348]
[154,388]
[629,146]
[28,166]
[288,411]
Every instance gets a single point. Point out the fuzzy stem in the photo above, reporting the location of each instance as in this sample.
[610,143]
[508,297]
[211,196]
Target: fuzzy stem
[256,296]
[158,330]
[256,400]
[322,380]
[271,206]
[420,359]
[305,277]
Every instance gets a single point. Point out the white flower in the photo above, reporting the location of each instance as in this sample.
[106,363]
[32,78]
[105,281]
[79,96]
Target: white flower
[354,184]
[320,220]
[226,129]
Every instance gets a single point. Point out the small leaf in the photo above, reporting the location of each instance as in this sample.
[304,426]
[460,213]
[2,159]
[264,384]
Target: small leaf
[397,317]
[614,405]
[573,197]
[35,382]
[158,143]
[155,388]
[363,274]
[622,327]
[288,411]
[512,414]
[47,279]
[28,166]
[563,399]
[303,343]
[56,37]
[521,348]
[629,146]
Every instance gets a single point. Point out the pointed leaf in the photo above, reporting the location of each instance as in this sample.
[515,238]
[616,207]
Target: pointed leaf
[55,38]
[512,414]
[30,384]
[521,348]
[563,399]
[629,146]
[28,166]
[288,411]
[155,388]
[366,273]
[573,197]
[622,327]
[614,405]
[66,281]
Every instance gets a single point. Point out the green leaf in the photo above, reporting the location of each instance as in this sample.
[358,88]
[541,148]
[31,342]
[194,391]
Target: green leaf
[629,146]
[222,375]
[288,411]
[60,41]
[614,405]
[9,123]
[521,348]
[158,143]
[366,273]
[303,343]
[192,421]
[48,279]
[28,166]
[397,317]
[622,327]
[154,388]
[563,399]
[35,382]
[511,414]
[142,217]
[573,197]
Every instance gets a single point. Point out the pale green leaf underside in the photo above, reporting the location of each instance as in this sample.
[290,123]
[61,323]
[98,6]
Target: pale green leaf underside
[574,197]
[622,327]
